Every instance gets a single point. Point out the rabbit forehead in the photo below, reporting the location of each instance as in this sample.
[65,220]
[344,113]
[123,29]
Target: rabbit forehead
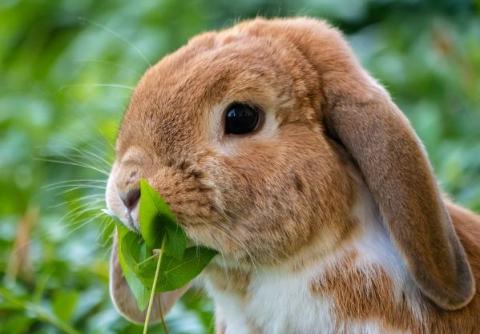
[215,69]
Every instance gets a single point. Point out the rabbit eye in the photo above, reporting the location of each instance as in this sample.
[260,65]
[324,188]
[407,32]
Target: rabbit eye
[241,119]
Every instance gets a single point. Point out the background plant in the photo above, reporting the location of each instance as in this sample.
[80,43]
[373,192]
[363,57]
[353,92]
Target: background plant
[66,72]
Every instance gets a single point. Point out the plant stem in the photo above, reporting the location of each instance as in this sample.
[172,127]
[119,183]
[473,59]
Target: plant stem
[152,294]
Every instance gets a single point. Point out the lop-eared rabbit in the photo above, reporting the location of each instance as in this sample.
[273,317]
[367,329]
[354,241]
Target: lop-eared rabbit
[275,147]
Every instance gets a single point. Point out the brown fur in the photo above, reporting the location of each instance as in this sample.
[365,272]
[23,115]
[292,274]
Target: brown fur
[233,280]
[390,157]
[363,294]
[262,198]
[361,297]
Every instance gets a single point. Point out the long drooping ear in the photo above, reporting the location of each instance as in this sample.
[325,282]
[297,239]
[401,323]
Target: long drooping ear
[380,139]
[123,299]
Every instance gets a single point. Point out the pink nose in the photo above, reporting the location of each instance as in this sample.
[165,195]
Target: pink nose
[130,198]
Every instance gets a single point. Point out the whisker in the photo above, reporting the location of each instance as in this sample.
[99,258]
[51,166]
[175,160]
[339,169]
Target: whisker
[60,226]
[80,210]
[71,163]
[87,159]
[76,187]
[111,63]
[67,182]
[104,84]
[86,197]
[105,223]
[83,185]
[92,154]
[84,223]
[234,239]
[96,144]
[224,269]
[84,158]
[96,197]
[75,217]
[239,242]
[105,28]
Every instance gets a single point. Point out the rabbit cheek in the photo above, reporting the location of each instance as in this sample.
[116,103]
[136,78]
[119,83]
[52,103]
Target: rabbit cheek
[278,195]
[190,199]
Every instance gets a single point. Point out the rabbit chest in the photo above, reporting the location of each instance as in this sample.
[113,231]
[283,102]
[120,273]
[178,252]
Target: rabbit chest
[360,288]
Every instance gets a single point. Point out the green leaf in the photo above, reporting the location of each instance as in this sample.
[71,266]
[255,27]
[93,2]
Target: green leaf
[131,247]
[157,221]
[151,215]
[158,230]
[152,232]
[175,241]
[176,273]
[127,255]
[64,304]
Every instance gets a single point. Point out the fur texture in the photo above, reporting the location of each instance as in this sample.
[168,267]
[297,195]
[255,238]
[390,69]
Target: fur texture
[328,217]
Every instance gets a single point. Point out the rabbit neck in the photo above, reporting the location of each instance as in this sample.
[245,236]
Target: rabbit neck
[288,298]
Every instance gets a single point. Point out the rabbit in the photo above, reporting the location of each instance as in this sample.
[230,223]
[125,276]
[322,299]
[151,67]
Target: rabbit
[273,146]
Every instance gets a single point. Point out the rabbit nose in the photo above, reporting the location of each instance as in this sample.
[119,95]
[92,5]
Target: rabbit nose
[130,197]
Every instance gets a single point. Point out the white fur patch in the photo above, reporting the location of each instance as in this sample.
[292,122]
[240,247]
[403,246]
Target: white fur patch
[280,301]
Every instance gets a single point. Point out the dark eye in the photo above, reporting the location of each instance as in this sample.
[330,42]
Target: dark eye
[241,118]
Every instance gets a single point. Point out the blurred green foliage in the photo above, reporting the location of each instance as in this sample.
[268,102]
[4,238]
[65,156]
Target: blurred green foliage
[66,72]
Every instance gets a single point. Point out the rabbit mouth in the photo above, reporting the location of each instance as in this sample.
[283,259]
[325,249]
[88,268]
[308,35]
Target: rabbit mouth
[129,217]
[132,219]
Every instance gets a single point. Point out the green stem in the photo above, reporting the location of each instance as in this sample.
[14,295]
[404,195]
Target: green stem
[152,294]
[147,259]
